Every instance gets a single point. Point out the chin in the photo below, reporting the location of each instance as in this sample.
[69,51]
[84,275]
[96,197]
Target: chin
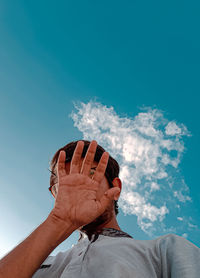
[99,221]
[93,225]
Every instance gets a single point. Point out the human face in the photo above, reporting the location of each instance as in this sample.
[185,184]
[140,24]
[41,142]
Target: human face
[104,186]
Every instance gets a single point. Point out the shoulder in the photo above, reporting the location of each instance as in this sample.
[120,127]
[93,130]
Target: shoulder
[51,265]
[171,239]
[172,245]
[167,239]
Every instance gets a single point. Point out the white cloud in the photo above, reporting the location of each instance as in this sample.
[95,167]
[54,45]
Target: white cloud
[180,218]
[192,226]
[181,197]
[173,129]
[185,235]
[148,149]
[154,186]
[181,193]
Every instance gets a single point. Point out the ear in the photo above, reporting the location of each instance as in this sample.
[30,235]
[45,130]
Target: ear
[117,183]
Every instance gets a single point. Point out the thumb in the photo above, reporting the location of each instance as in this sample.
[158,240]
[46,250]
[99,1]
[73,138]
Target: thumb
[108,196]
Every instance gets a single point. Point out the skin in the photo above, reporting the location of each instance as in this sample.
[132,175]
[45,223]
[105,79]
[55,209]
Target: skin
[106,219]
[77,207]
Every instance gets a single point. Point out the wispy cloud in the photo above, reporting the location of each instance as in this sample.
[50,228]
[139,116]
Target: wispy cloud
[148,148]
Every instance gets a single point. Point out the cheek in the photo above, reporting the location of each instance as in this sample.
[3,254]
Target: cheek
[104,186]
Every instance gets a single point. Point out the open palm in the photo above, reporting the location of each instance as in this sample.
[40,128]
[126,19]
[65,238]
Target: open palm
[76,199]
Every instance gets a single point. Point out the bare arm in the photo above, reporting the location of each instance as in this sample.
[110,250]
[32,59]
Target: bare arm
[76,204]
[24,260]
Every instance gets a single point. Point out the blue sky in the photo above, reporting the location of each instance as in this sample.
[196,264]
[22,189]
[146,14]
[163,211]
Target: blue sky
[125,74]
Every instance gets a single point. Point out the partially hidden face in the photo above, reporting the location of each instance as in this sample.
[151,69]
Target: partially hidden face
[104,186]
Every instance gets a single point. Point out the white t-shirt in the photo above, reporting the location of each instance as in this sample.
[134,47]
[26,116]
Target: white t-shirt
[116,254]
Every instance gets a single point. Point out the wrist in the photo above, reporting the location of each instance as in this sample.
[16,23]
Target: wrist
[61,230]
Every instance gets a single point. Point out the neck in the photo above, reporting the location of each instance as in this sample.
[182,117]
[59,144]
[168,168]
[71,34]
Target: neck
[97,229]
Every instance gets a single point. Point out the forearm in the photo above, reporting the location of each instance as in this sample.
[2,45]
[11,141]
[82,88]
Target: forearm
[24,260]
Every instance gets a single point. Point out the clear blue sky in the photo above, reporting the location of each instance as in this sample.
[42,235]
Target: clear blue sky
[126,55]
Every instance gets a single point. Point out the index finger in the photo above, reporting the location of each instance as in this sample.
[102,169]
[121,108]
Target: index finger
[101,168]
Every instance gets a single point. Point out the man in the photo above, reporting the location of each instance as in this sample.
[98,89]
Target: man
[111,179]
[86,188]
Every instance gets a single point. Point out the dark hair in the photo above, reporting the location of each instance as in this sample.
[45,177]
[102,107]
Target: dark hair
[112,170]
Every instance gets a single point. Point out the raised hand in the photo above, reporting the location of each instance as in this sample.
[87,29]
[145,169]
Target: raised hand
[76,201]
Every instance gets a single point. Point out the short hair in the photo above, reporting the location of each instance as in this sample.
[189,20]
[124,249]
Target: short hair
[112,170]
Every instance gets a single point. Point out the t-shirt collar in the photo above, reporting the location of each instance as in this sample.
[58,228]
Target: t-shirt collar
[107,232]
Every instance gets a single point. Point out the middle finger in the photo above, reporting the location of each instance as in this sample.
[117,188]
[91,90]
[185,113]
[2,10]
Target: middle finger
[76,158]
[89,158]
